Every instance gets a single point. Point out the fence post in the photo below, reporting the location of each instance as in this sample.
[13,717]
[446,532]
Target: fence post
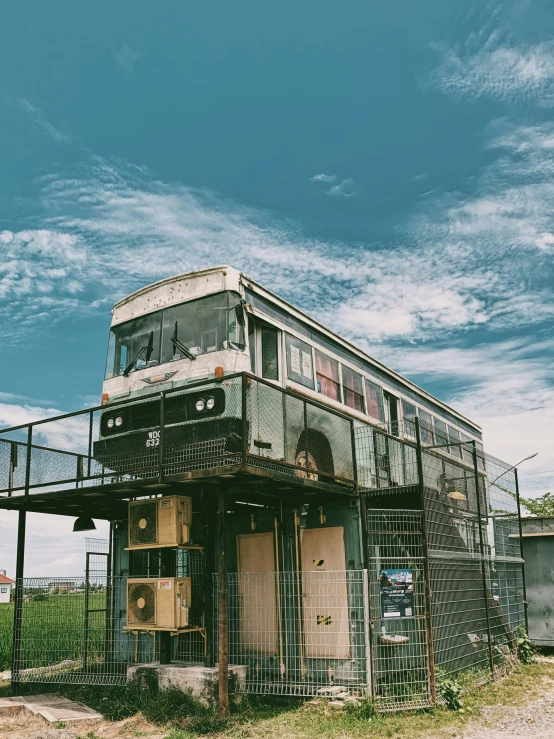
[28,460]
[18,604]
[244,420]
[90,429]
[87,602]
[222,604]
[525,604]
[482,547]
[427,569]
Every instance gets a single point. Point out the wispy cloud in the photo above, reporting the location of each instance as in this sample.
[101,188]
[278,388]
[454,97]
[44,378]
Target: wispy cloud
[112,228]
[497,68]
[326,178]
[39,118]
[344,188]
[508,386]
[126,58]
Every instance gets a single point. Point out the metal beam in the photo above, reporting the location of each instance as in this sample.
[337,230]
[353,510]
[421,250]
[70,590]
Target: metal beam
[222,604]
[18,605]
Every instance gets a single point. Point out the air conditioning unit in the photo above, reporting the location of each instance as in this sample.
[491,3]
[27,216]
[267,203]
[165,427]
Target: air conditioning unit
[158,603]
[160,522]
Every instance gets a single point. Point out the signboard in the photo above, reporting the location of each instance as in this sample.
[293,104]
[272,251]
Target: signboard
[397,593]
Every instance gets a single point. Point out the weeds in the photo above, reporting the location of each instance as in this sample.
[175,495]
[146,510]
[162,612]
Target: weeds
[451,691]
[525,650]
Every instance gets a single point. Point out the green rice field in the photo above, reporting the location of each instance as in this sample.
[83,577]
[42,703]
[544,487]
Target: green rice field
[53,630]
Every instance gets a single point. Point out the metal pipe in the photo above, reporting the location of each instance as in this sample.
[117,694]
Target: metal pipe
[86,615]
[482,546]
[18,604]
[525,603]
[299,595]
[282,668]
[426,565]
[222,605]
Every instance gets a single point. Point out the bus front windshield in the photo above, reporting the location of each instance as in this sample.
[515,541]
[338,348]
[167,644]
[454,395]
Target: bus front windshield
[201,326]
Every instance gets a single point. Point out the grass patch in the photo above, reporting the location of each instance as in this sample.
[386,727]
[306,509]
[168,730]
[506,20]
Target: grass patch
[52,628]
[284,718]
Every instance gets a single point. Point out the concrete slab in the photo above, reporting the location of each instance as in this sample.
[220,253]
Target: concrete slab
[200,681]
[51,707]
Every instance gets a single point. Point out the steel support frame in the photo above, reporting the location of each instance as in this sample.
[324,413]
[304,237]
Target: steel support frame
[525,603]
[428,594]
[222,603]
[18,604]
[483,558]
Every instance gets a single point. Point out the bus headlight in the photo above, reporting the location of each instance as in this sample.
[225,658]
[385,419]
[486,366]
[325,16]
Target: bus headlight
[200,405]
[210,403]
[119,421]
[109,423]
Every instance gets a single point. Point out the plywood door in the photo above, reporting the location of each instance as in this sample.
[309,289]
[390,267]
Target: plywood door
[256,593]
[324,594]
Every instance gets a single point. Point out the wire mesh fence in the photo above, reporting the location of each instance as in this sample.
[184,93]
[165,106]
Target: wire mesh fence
[299,633]
[400,628]
[212,425]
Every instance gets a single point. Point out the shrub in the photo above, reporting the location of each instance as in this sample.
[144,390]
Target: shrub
[525,650]
[451,691]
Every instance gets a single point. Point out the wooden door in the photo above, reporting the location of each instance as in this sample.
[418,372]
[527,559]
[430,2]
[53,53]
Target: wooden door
[324,593]
[256,593]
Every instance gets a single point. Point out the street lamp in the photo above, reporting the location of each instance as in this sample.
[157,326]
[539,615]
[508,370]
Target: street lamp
[531,456]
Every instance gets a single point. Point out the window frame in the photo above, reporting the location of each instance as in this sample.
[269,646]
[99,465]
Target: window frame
[337,382]
[346,390]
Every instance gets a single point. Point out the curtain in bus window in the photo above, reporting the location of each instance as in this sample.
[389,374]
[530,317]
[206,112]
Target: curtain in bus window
[353,389]
[374,397]
[299,361]
[426,428]
[409,412]
[327,376]
[270,353]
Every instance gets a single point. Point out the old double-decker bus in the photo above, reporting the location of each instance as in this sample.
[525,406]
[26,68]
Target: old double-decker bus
[217,322]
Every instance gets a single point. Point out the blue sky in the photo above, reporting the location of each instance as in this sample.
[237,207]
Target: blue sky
[386,166]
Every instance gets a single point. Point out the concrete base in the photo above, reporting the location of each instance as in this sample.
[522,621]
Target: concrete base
[201,682]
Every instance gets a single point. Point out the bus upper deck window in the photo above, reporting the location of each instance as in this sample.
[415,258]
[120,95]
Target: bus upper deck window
[353,389]
[327,376]
[270,353]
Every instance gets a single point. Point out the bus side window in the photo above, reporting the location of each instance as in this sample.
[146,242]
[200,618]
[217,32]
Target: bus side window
[252,344]
[392,413]
[270,352]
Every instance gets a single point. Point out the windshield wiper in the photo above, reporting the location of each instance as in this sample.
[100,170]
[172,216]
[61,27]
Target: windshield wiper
[145,351]
[180,346]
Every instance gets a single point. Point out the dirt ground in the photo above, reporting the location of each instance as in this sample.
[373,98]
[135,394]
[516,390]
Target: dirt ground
[502,721]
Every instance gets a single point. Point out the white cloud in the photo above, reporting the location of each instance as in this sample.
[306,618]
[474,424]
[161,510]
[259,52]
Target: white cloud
[507,387]
[326,178]
[38,116]
[344,189]
[497,69]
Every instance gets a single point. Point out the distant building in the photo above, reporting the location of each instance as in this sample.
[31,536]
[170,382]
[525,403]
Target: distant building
[61,586]
[6,586]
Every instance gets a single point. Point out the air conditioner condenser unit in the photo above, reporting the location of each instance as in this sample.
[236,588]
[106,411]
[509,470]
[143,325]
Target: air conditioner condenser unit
[158,603]
[160,522]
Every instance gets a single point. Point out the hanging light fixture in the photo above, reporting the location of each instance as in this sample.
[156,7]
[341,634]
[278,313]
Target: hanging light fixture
[456,495]
[84,523]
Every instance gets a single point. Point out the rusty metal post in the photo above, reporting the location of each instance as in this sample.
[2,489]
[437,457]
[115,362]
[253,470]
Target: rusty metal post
[482,547]
[18,604]
[222,604]
[427,569]
[525,604]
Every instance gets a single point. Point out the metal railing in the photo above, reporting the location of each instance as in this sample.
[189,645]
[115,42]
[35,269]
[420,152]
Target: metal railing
[205,428]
